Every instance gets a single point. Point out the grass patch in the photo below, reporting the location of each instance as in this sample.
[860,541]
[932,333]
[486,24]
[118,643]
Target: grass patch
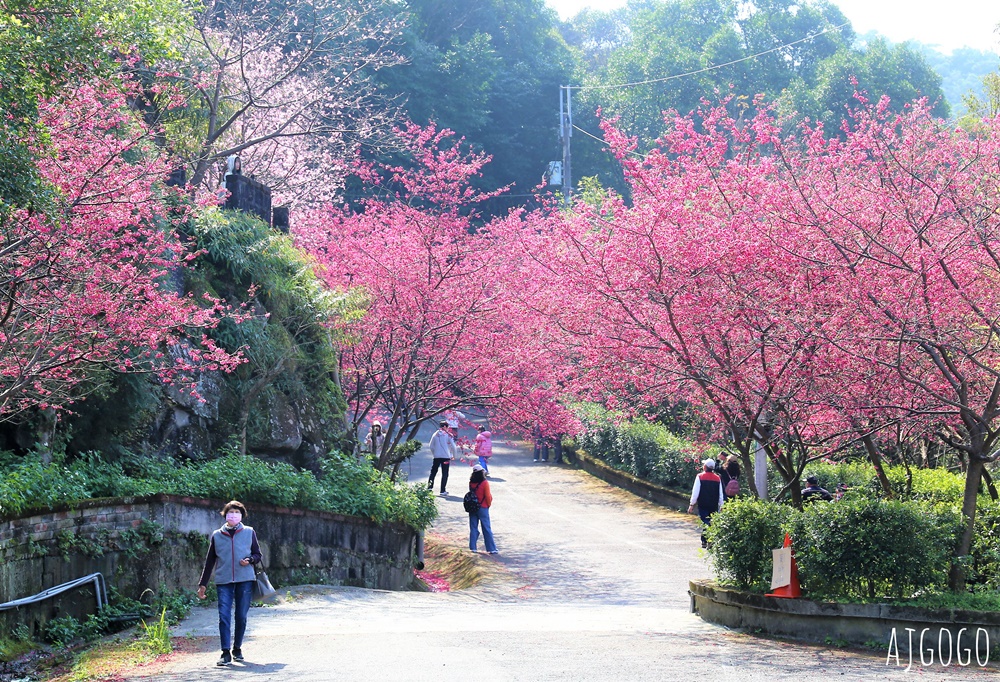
[108,660]
[965,601]
[13,648]
[459,567]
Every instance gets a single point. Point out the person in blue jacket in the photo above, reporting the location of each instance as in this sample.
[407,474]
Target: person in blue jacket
[232,554]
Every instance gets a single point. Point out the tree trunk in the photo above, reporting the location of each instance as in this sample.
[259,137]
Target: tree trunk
[988,480]
[876,458]
[973,475]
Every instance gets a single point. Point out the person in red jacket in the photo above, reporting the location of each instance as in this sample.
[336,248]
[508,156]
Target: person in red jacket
[479,485]
[706,495]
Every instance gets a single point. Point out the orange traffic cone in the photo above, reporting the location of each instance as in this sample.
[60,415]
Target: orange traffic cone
[792,589]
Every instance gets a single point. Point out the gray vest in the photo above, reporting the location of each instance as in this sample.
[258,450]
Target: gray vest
[228,552]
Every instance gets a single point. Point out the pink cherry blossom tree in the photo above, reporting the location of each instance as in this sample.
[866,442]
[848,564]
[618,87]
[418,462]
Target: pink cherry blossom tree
[86,285]
[425,343]
[287,88]
[812,291]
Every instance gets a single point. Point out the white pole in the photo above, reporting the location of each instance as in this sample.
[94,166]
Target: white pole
[760,469]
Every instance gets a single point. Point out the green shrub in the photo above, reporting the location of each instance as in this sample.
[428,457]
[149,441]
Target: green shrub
[932,485]
[642,448]
[985,567]
[865,548]
[345,486]
[742,534]
[62,631]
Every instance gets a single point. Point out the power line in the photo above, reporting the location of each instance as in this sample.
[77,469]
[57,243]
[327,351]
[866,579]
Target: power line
[603,141]
[709,68]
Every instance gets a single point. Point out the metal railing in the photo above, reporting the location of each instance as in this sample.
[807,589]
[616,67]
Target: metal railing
[100,592]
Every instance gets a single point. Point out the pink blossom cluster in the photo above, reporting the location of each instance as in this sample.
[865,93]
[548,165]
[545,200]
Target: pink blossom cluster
[87,275]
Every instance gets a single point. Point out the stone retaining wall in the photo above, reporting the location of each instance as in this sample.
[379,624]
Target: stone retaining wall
[850,623]
[654,493]
[160,542]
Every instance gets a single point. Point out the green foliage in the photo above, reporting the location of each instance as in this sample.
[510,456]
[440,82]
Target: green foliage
[290,342]
[156,637]
[985,105]
[490,71]
[643,448]
[898,72]
[742,534]
[33,485]
[964,601]
[869,548]
[649,44]
[931,485]
[17,644]
[984,573]
[48,43]
[344,486]
[172,607]
[61,632]
[356,488]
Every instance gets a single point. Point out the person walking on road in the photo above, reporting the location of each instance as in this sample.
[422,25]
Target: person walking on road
[706,495]
[479,485]
[442,448]
[484,448]
[232,553]
[729,473]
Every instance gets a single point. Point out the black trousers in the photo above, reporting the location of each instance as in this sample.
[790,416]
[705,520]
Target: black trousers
[443,463]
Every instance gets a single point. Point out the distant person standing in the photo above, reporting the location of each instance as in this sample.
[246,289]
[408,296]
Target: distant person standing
[814,492]
[706,495]
[541,444]
[442,448]
[479,485]
[374,440]
[484,448]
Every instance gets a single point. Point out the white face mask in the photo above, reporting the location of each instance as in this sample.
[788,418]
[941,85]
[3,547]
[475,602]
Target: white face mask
[233,518]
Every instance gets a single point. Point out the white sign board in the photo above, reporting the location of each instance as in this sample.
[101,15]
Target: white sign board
[781,574]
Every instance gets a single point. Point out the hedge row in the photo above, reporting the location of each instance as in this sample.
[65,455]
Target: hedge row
[860,547]
[344,485]
[642,448]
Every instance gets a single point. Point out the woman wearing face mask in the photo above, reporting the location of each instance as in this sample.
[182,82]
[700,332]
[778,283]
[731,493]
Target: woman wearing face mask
[232,553]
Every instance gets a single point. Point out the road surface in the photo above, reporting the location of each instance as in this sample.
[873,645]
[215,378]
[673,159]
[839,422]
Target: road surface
[590,584]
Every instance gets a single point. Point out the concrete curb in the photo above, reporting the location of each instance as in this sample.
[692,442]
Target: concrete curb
[852,623]
[658,494]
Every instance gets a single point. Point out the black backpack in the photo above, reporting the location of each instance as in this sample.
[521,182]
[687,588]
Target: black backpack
[471,501]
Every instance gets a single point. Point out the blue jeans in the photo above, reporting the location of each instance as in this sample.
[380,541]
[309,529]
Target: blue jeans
[484,462]
[241,594]
[481,517]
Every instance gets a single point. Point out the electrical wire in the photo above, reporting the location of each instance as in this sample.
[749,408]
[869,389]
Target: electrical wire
[708,68]
[603,141]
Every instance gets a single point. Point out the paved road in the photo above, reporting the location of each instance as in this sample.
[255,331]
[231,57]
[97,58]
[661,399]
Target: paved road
[590,584]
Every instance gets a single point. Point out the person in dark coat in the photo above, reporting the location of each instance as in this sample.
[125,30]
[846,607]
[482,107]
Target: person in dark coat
[814,492]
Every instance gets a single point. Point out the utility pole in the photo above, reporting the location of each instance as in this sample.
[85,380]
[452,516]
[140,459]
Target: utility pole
[565,135]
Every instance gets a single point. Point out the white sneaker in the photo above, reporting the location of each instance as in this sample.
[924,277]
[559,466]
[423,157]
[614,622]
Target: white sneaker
[444,493]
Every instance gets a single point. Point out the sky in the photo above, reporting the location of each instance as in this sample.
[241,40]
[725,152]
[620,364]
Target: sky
[947,24]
